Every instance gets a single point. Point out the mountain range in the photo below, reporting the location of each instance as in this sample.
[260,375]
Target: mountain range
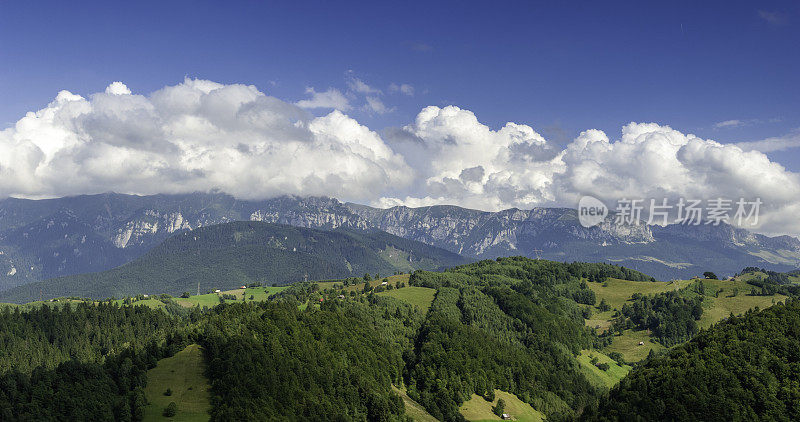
[43,239]
[225,256]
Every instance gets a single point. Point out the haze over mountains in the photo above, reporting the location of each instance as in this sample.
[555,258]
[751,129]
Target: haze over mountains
[42,239]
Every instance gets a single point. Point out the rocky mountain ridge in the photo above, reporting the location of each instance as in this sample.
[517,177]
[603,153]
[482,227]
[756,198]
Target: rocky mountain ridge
[41,239]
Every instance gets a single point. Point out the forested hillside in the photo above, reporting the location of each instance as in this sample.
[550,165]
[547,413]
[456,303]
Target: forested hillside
[274,362]
[746,368]
[81,361]
[227,255]
[355,349]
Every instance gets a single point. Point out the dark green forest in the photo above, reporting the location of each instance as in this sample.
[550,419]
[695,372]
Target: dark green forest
[512,324]
[82,361]
[274,362]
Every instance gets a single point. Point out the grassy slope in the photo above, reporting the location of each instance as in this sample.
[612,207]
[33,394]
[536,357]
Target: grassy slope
[183,374]
[717,308]
[414,409]
[478,409]
[617,292]
[212,299]
[597,376]
[419,297]
[628,345]
[392,279]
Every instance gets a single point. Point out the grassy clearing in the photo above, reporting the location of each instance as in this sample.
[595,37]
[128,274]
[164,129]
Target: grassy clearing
[733,297]
[616,292]
[212,299]
[208,300]
[419,297]
[628,345]
[414,409]
[715,307]
[183,374]
[391,279]
[596,375]
[600,321]
[150,303]
[258,293]
[478,409]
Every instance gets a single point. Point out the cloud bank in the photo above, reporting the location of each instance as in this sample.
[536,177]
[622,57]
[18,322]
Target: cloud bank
[196,135]
[200,135]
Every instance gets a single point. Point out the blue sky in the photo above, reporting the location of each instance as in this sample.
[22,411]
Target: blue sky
[571,76]
[557,66]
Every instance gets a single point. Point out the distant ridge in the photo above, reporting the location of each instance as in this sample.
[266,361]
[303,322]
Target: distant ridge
[90,233]
[226,256]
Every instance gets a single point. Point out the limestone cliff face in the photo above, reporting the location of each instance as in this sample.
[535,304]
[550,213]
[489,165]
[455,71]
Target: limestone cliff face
[477,233]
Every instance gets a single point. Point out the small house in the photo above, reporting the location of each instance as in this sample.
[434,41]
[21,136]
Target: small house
[341,296]
[384,283]
[242,287]
[217,291]
[641,343]
[505,416]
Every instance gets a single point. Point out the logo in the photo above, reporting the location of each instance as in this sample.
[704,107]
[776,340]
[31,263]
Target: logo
[591,211]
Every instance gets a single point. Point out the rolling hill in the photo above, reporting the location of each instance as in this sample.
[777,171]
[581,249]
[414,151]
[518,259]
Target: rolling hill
[434,345]
[228,255]
[745,368]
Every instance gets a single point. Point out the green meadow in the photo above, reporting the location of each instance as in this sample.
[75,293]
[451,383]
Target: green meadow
[182,375]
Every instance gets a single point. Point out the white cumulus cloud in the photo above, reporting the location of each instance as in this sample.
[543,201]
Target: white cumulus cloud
[196,135]
[200,135]
[464,162]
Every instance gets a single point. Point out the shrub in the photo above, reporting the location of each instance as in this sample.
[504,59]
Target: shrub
[617,357]
[170,410]
[499,408]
